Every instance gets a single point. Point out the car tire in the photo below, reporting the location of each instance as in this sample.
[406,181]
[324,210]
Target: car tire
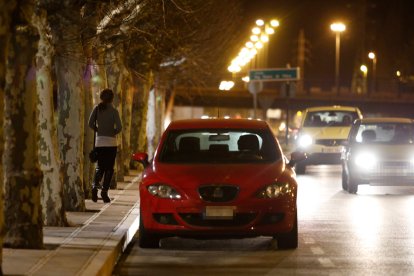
[289,240]
[344,179]
[145,238]
[352,185]
[300,168]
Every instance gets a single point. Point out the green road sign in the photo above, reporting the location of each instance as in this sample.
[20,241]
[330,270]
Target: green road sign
[274,74]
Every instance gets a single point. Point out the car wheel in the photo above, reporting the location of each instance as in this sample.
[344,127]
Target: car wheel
[289,240]
[300,168]
[352,185]
[344,179]
[145,238]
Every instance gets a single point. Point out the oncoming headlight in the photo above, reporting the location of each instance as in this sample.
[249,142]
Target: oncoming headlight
[305,141]
[163,191]
[275,190]
[365,160]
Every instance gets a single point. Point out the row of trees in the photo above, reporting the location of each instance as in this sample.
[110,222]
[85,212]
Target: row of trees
[55,58]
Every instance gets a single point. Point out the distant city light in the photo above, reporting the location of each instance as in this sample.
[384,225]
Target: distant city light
[398,73]
[226,117]
[205,117]
[226,85]
[246,79]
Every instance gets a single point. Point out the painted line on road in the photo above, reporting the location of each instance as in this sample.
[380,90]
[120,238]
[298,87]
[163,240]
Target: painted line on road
[326,262]
[316,250]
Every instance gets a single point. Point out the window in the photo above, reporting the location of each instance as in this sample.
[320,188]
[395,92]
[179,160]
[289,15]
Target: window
[328,118]
[387,133]
[219,146]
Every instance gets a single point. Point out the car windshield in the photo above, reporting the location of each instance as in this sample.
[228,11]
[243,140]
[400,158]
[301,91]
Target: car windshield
[326,118]
[219,146]
[384,133]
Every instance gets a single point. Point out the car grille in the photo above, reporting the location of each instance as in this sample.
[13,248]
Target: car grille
[218,193]
[238,220]
[329,142]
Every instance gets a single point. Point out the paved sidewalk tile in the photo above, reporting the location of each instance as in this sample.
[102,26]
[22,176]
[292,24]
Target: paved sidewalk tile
[93,243]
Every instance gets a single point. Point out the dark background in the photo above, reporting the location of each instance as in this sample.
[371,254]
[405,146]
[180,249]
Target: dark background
[385,27]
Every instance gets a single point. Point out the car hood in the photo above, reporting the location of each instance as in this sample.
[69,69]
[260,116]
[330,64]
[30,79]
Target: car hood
[194,175]
[327,132]
[387,152]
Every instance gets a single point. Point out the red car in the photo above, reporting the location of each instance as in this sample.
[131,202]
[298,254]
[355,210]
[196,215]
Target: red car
[218,178]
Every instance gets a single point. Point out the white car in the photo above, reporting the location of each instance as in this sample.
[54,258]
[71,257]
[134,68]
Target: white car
[379,151]
[322,133]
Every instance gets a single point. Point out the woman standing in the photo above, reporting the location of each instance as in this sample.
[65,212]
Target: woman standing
[108,125]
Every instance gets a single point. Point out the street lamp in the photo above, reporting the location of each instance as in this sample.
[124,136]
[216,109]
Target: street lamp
[364,70]
[373,57]
[337,27]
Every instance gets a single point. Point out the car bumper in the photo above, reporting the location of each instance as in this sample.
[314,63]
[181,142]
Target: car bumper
[385,176]
[187,218]
[319,154]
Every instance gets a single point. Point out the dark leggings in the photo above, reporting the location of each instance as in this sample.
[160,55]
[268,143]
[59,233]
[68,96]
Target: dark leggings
[105,167]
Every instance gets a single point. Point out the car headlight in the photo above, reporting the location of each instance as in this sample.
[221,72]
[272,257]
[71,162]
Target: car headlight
[163,191]
[365,160]
[305,141]
[275,190]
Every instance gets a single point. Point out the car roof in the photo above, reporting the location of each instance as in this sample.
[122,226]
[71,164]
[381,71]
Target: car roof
[387,120]
[332,107]
[218,123]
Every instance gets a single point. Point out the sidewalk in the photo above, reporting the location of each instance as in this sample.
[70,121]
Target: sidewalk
[92,246]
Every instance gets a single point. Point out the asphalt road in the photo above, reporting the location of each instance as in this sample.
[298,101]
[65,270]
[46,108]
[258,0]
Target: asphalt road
[370,233]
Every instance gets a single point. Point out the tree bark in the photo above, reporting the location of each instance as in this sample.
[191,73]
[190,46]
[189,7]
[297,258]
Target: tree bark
[49,159]
[128,89]
[22,175]
[6,8]
[69,63]
[114,73]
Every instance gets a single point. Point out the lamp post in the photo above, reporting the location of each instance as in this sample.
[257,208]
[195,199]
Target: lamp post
[373,57]
[364,70]
[337,27]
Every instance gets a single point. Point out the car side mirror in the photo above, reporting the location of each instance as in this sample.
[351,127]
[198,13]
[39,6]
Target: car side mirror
[141,157]
[296,157]
[345,143]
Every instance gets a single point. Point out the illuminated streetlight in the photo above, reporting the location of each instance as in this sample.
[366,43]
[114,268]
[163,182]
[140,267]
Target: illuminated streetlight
[259,22]
[256,30]
[373,57]
[364,70]
[337,27]
[274,23]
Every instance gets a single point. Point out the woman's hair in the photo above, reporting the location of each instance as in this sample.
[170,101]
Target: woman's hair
[106,96]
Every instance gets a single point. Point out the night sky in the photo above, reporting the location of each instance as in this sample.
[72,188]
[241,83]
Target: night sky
[386,27]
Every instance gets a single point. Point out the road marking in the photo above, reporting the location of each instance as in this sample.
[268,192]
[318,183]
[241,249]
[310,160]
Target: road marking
[326,262]
[309,240]
[316,250]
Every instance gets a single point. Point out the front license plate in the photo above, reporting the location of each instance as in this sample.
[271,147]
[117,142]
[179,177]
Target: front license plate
[219,212]
[331,150]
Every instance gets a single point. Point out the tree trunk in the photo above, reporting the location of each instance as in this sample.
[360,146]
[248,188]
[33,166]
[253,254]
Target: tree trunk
[151,122]
[21,169]
[52,187]
[128,89]
[138,126]
[114,73]
[69,73]
[6,8]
